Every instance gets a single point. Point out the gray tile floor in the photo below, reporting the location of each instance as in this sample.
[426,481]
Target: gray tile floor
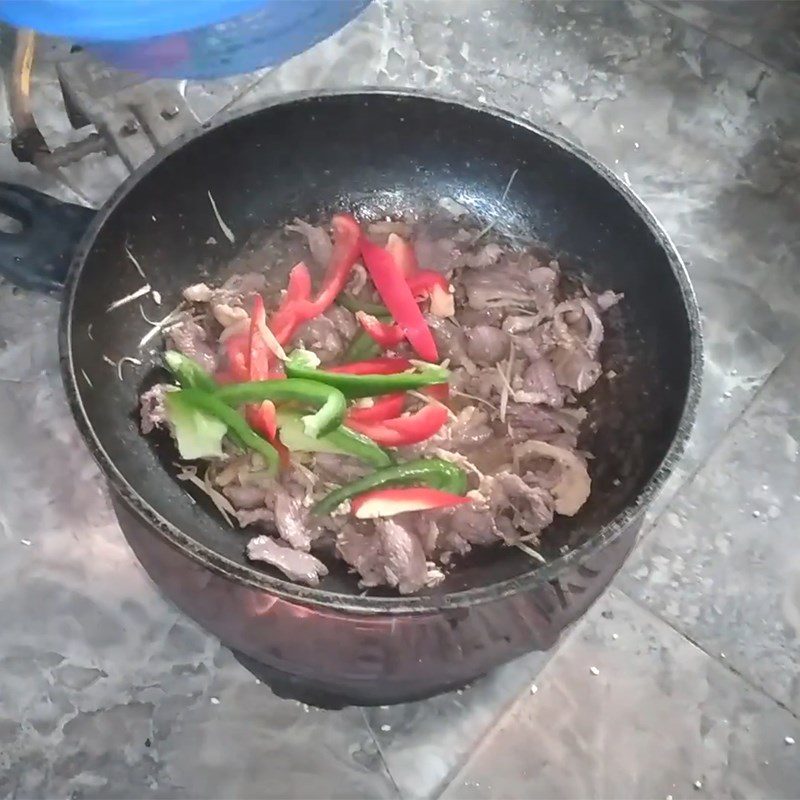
[106,691]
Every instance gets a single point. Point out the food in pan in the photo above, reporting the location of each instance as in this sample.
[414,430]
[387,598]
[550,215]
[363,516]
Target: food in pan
[420,398]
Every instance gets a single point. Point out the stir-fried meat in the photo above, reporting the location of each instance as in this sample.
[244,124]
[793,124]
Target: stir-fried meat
[319,243]
[189,338]
[606,300]
[328,334]
[468,430]
[532,505]
[529,421]
[291,519]
[539,384]
[471,523]
[262,517]
[295,565]
[575,369]
[152,412]
[333,469]
[404,562]
[321,336]
[234,292]
[486,344]
[244,498]
[573,487]
[522,283]
[362,551]
[229,316]
[198,293]
[522,346]
[483,257]
[390,555]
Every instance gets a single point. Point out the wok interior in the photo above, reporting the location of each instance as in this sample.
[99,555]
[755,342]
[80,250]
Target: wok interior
[386,155]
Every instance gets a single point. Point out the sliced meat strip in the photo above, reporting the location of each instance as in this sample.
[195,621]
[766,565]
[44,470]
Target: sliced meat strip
[344,321]
[474,525]
[338,469]
[404,560]
[189,338]
[468,430]
[322,336]
[263,517]
[244,497]
[319,243]
[198,293]
[532,506]
[228,315]
[362,551]
[152,411]
[295,565]
[483,256]
[487,345]
[539,385]
[450,342]
[292,522]
[389,555]
[575,369]
[574,485]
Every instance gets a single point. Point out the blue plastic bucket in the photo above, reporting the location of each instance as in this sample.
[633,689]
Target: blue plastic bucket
[186,38]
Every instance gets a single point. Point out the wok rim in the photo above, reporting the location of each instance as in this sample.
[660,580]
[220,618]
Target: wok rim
[252,577]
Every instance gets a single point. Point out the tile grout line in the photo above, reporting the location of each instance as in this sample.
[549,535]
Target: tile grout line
[645,534]
[724,663]
[719,38]
[453,774]
[381,753]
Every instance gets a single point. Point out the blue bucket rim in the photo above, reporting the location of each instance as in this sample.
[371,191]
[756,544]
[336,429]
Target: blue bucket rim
[121,20]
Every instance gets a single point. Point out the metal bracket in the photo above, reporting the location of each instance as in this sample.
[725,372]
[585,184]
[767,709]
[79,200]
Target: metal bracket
[133,117]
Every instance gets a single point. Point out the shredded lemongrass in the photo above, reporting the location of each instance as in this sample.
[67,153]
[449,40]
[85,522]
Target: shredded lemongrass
[141,292]
[159,326]
[221,503]
[135,262]
[502,200]
[127,360]
[308,477]
[531,552]
[506,377]
[87,379]
[109,361]
[474,397]
[523,311]
[145,317]
[221,222]
[428,400]
[271,342]
[457,458]
[89,331]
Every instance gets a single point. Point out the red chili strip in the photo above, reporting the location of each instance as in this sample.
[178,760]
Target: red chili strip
[400,431]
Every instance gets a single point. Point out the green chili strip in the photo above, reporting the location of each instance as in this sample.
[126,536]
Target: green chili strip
[214,406]
[329,401]
[434,472]
[354,304]
[361,348]
[342,441]
[188,373]
[353,386]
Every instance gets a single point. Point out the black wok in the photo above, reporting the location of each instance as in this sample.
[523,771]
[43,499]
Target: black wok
[379,153]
